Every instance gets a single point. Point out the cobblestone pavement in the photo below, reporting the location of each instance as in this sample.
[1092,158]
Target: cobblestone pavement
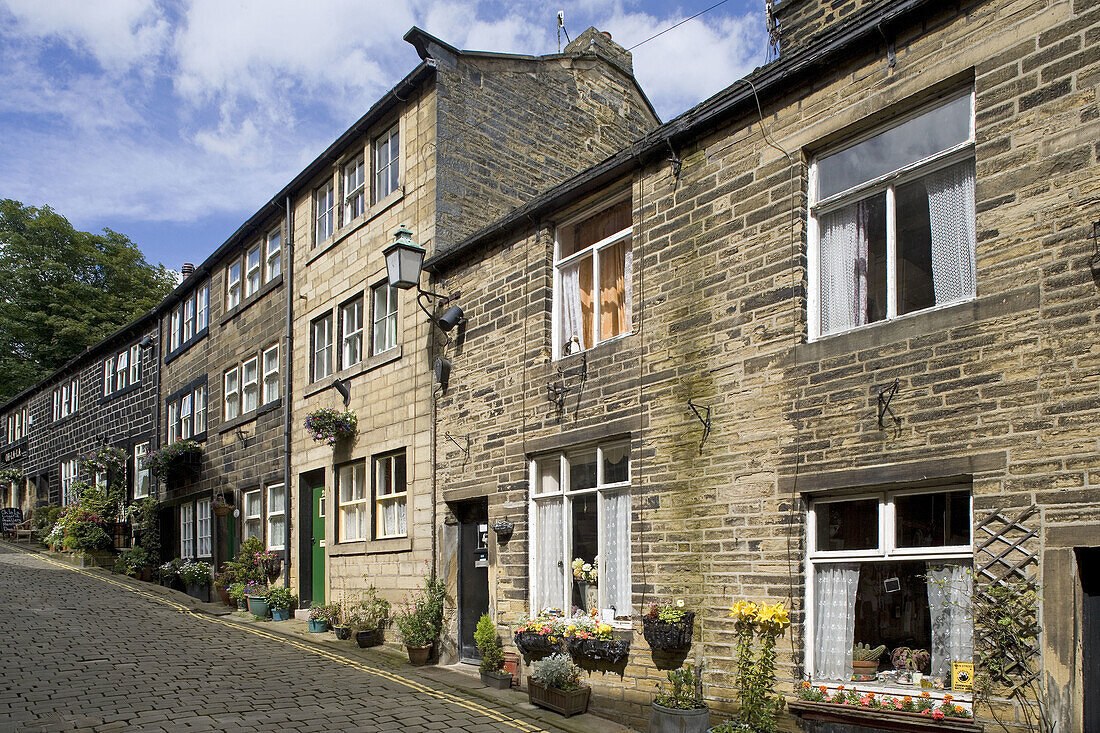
[86,652]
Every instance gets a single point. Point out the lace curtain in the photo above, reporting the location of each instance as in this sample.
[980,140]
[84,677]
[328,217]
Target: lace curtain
[572,311]
[949,590]
[844,246]
[615,555]
[951,216]
[834,620]
[549,570]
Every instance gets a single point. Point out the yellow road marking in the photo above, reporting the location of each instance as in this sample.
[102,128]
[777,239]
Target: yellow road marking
[418,687]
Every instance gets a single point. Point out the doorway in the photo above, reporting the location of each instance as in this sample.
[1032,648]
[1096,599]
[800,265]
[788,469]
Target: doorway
[473,572]
[311,543]
[1088,566]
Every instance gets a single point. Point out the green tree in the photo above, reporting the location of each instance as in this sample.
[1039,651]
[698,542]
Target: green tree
[62,290]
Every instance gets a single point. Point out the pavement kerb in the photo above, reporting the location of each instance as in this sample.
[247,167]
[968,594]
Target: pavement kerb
[384,661]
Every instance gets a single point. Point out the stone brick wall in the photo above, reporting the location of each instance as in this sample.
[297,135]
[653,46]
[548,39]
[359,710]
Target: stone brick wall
[800,20]
[246,453]
[119,421]
[998,391]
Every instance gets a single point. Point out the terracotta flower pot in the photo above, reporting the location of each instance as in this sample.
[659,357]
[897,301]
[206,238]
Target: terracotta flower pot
[418,655]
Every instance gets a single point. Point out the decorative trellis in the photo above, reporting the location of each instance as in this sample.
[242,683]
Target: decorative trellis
[1003,557]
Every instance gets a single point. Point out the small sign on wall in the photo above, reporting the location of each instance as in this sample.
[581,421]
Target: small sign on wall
[962,675]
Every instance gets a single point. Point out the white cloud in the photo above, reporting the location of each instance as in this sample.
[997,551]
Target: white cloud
[118,33]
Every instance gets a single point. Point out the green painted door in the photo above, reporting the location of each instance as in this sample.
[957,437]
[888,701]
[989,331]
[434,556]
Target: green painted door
[318,545]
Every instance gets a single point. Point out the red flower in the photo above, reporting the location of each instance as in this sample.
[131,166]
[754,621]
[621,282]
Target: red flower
[937,714]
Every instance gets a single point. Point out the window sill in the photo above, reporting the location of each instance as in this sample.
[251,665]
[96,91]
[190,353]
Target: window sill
[356,224]
[368,365]
[62,420]
[879,719]
[247,302]
[612,345]
[249,416]
[178,351]
[371,547]
[119,392]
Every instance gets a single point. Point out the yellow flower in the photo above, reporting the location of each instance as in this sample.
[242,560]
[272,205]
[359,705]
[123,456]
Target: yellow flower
[775,615]
[743,611]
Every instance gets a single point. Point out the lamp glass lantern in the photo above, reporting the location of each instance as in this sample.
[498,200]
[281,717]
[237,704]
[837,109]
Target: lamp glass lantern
[404,260]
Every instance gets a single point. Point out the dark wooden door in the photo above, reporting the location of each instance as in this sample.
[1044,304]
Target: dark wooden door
[1088,563]
[473,573]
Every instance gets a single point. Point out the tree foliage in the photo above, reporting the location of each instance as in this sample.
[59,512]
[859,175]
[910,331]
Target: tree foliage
[62,290]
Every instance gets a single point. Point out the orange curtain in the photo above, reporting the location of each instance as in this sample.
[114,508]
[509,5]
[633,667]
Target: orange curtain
[613,290]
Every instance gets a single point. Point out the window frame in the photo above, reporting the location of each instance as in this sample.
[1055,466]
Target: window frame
[187,531]
[270,377]
[235,392]
[271,514]
[324,212]
[141,471]
[273,255]
[70,468]
[885,184]
[378,191]
[593,250]
[122,370]
[204,528]
[66,398]
[361,504]
[247,517]
[108,376]
[233,285]
[250,386]
[188,318]
[394,498]
[393,299]
[565,495]
[253,271]
[355,196]
[346,338]
[135,364]
[186,418]
[887,550]
[173,432]
[202,308]
[327,349]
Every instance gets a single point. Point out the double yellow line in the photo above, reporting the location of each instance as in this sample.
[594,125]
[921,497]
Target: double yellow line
[418,687]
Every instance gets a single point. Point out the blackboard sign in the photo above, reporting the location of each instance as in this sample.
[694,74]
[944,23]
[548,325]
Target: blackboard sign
[9,517]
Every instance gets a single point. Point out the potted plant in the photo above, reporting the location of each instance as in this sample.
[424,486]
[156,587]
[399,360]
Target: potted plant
[132,562]
[369,619]
[279,599]
[681,709]
[195,576]
[587,577]
[222,581]
[420,620]
[321,617]
[236,594]
[865,661]
[909,663]
[255,594]
[270,563]
[168,573]
[540,635]
[342,619]
[757,628]
[667,626]
[492,656]
[327,425]
[555,684]
[221,507]
[587,637]
[177,461]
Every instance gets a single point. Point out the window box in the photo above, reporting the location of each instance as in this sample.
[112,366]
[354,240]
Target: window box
[613,651]
[878,719]
[533,643]
[663,636]
[177,463]
[566,702]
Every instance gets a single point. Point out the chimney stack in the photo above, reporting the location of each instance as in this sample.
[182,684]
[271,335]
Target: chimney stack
[187,270]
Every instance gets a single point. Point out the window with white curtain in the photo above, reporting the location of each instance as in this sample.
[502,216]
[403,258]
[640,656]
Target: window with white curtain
[276,517]
[580,509]
[187,531]
[203,528]
[253,514]
[891,224]
[141,471]
[68,476]
[593,265]
[390,496]
[384,318]
[889,568]
[352,487]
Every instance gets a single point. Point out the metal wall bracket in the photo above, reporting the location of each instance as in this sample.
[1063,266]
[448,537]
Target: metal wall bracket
[703,418]
[466,450]
[884,398]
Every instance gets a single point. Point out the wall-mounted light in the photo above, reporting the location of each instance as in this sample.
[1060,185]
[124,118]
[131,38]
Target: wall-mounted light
[146,342]
[404,263]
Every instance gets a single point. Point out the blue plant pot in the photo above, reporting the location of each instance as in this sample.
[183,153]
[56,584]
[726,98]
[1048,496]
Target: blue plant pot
[280,614]
[318,626]
[257,606]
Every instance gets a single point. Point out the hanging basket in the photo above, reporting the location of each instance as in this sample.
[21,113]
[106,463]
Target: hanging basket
[612,651]
[532,642]
[664,636]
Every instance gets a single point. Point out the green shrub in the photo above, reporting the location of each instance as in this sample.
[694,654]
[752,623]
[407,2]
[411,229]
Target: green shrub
[686,692]
[488,643]
[130,562]
[557,671]
[195,572]
[280,597]
[420,620]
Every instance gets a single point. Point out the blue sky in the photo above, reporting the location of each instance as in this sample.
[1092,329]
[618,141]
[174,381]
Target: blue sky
[172,122]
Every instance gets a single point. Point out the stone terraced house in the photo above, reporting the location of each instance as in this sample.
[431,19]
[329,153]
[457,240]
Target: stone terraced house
[828,338]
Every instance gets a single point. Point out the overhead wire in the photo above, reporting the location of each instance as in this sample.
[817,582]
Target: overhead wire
[677,25]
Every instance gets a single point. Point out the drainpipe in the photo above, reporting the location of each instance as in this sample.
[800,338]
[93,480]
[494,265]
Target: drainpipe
[288,283]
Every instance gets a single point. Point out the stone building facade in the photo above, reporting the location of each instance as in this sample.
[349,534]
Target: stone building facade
[463,139]
[849,350]
[102,398]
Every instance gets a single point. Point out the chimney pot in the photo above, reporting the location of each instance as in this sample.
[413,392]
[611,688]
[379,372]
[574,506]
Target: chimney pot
[187,269]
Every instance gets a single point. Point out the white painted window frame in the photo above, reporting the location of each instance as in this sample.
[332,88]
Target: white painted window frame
[187,531]
[278,489]
[232,393]
[141,471]
[392,497]
[271,375]
[204,528]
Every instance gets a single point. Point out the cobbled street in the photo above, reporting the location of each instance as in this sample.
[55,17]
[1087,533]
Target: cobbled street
[81,652]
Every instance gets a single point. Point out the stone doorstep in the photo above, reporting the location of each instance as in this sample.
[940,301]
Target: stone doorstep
[463,678]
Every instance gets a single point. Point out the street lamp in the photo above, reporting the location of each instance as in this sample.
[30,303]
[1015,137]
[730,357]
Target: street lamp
[404,262]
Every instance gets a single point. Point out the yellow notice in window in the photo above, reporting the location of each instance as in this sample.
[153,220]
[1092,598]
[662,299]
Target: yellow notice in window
[962,675]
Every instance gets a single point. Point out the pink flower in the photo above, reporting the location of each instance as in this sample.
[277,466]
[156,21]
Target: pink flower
[897,704]
[937,714]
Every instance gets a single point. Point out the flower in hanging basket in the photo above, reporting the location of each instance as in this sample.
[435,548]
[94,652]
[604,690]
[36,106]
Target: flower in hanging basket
[104,460]
[668,626]
[327,425]
[172,458]
[11,475]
